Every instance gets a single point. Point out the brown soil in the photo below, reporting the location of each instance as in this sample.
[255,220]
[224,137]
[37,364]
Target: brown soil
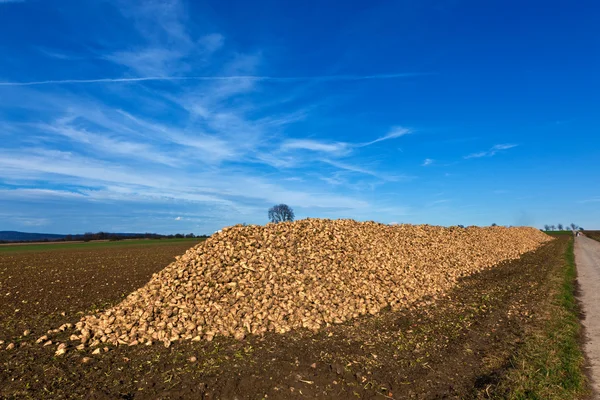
[48,243]
[456,347]
[593,235]
[37,287]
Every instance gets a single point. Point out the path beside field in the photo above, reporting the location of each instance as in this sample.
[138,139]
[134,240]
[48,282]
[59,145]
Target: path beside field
[587,258]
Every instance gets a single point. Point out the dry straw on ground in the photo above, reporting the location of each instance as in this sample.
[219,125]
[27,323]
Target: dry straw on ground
[305,274]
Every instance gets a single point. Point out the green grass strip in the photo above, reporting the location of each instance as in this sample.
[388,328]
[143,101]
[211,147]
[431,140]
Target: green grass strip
[558,233]
[550,364]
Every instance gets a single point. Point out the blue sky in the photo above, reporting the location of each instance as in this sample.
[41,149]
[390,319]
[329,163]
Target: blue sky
[187,116]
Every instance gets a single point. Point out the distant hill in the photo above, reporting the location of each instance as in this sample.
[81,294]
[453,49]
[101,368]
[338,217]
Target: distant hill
[14,236]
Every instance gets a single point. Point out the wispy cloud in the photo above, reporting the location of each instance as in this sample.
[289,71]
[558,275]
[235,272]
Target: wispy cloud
[39,194]
[592,200]
[437,202]
[314,145]
[394,133]
[166,46]
[150,61]
[162,21]
[366,171]
[33,222]
[339,148]
[426,162]
[331,180]
[59,55]
[491,152]
[323,78]
[186,122]
[212,42]
[104,144]
[105,181]
[11,1]
[350,167]
[214,149]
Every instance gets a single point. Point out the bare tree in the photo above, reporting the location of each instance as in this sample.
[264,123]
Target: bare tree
[560,227]
[546,227]
[281,213]
[552,227]
[573,226]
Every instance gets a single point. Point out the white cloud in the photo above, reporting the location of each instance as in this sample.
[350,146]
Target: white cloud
[103,144]
[331,181]
[198,139]
[426,162]
[436,202]
[349,167]
[361,170]
[491,152]
[592,200]
[504,146]
[159,21]
[157,62]
[57,54]
[213,148]
[394,133]
[339,148]
[315,145]
[115,138]
[230,190]
[239,80]
[11,1]
[165,40]
[39,194]
[211,42]
[33,221]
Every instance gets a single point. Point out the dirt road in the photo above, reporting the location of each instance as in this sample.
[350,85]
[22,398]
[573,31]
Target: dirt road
[587,257]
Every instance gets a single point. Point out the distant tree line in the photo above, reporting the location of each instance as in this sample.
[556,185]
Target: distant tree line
[89,236]
[561,227]
[86,237]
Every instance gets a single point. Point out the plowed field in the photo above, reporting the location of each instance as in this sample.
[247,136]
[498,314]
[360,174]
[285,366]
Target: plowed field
[459,346]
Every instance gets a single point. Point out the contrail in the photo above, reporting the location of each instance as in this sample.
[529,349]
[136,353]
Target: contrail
[324,78]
